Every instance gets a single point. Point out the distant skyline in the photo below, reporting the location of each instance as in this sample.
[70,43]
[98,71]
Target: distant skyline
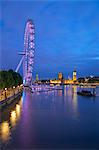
[66,36]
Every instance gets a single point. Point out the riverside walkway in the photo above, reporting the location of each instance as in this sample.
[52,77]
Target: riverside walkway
[8,95]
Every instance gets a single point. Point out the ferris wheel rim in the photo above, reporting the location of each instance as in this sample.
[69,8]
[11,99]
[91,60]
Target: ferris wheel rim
[29,49]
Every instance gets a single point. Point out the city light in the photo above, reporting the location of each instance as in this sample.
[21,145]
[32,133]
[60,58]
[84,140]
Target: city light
[5,89]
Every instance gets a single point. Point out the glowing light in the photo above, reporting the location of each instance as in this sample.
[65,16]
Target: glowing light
[24,81]
[18,111]
[55,81]
[75,101]
[21,85]
[13,118]
[5,131]
[5,89]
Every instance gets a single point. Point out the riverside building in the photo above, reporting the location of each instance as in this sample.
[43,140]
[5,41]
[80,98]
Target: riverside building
[60,79]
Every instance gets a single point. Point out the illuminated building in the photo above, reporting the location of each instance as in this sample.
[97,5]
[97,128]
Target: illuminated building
[55,81]
[65,81]
[69,81]
[74,75]
[60,76]
[37,77]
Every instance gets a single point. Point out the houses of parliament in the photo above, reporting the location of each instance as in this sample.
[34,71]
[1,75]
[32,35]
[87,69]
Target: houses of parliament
[61,80]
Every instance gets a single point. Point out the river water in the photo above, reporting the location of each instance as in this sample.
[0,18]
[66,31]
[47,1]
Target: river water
[51,119]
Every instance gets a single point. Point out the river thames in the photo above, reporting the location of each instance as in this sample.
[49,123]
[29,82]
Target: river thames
[51,119]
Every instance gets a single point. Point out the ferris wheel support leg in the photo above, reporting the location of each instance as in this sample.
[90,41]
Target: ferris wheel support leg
[19,64]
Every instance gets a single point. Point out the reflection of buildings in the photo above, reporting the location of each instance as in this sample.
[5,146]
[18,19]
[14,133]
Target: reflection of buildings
[70,99]
[74,91]
[75,101]
[60,79]
[59,92]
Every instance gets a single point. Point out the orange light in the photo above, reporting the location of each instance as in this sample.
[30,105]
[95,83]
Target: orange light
[5,131]
[13,118]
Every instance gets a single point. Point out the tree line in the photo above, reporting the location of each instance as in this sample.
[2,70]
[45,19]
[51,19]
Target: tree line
[9,79]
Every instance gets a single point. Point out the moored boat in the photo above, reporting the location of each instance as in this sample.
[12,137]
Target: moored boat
[86,93]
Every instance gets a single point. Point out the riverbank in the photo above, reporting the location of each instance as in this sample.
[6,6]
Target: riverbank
[8,95]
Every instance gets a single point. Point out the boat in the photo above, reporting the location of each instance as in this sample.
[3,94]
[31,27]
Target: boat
[86,93]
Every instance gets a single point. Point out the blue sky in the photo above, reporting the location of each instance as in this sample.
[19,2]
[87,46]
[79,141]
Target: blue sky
[66,36]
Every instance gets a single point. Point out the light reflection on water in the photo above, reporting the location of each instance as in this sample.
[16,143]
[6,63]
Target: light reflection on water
[48,117]
[7,125]
[5,131]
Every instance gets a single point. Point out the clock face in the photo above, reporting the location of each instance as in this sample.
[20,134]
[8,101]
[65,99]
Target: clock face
[74,73]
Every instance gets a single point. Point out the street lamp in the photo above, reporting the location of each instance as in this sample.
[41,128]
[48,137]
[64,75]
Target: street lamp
[5,93]
[13,90]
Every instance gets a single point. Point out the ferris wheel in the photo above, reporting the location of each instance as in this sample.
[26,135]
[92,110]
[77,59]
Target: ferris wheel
[28,53]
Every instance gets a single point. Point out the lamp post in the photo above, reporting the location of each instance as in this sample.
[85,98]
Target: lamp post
[18,89]
[5,93]
[13,90]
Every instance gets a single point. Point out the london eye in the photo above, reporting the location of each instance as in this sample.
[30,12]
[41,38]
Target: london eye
[28,53]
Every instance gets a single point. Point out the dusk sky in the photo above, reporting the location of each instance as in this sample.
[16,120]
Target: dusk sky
[66,36]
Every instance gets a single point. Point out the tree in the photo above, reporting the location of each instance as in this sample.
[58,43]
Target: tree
[9,79]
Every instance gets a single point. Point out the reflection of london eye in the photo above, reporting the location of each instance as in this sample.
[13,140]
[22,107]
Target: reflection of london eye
[28,53]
